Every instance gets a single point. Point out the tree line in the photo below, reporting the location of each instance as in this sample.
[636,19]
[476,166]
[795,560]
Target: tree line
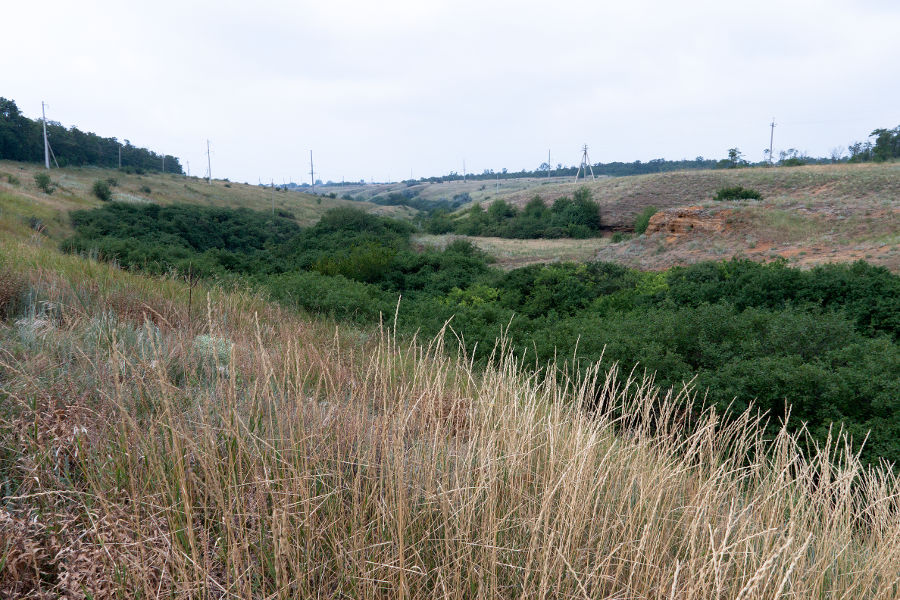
[22,139]
[885,147]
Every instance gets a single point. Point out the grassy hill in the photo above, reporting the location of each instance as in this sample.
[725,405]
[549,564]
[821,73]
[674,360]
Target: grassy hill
[158,440]
[20,196]
[808,215]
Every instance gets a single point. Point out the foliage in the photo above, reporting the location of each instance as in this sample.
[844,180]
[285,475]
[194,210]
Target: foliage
[576,217]
[160,238]
[824,341]
[737,192]
[43,182]
[101,190]
[642,221]
[885,147]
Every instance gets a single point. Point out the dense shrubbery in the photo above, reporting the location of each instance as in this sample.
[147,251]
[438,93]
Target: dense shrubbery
[209,241]
[737,192]
[577,217]
[823,341]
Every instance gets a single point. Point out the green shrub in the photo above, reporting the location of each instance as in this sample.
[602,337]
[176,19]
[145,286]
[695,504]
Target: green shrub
[101,190]
[146,189]
[12,179]
[737,192]
[643,220]
[42,180]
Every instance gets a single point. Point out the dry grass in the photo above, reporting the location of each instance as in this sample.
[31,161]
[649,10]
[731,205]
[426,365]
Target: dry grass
[513,253]
[248,452]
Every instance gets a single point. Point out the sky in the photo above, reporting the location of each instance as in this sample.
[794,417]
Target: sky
[391,89]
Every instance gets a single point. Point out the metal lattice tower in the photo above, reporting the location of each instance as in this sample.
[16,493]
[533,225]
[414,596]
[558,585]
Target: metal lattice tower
[585,164]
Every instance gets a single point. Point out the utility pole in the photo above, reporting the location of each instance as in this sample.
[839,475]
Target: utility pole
[549,168]
[120,156]
[46,144]
[312,173]
[189,167]
[208,165]
[771,140]
[163,163]
[464,170]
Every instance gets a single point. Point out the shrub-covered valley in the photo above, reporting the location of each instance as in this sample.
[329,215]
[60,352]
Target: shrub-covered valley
[820,344]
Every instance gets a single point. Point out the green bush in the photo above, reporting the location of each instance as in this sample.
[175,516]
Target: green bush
[145,189]
[101,190]
[42,180]
[643,220]
[737,192]
[12,179]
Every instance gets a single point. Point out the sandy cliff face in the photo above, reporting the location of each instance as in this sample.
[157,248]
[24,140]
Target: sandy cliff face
[685,219]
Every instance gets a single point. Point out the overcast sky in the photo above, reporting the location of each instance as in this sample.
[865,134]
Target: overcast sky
[382,89]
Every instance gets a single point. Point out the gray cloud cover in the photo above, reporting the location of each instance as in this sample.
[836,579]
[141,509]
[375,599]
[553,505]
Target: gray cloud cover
[382,89]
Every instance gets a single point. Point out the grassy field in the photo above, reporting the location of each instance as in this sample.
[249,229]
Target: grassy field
[159,441]
[513,253]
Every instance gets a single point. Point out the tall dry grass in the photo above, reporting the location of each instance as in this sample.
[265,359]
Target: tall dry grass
[247,452]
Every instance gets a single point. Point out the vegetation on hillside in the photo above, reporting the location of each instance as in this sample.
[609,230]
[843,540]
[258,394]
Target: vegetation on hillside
[240,450]
[576,217]
[822,344]
[737,192]
[22,139]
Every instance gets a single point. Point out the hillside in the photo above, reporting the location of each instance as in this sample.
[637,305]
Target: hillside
[158,440]
[20,196]
[808,215]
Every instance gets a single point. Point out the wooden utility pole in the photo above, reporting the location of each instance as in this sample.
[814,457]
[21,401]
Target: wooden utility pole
[771,140]
[46,144]
[312,173]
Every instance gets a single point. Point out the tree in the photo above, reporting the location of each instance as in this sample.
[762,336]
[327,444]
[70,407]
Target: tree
[735,158]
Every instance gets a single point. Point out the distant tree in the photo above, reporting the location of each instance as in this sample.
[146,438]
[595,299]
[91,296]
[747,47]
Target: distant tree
[735,158]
